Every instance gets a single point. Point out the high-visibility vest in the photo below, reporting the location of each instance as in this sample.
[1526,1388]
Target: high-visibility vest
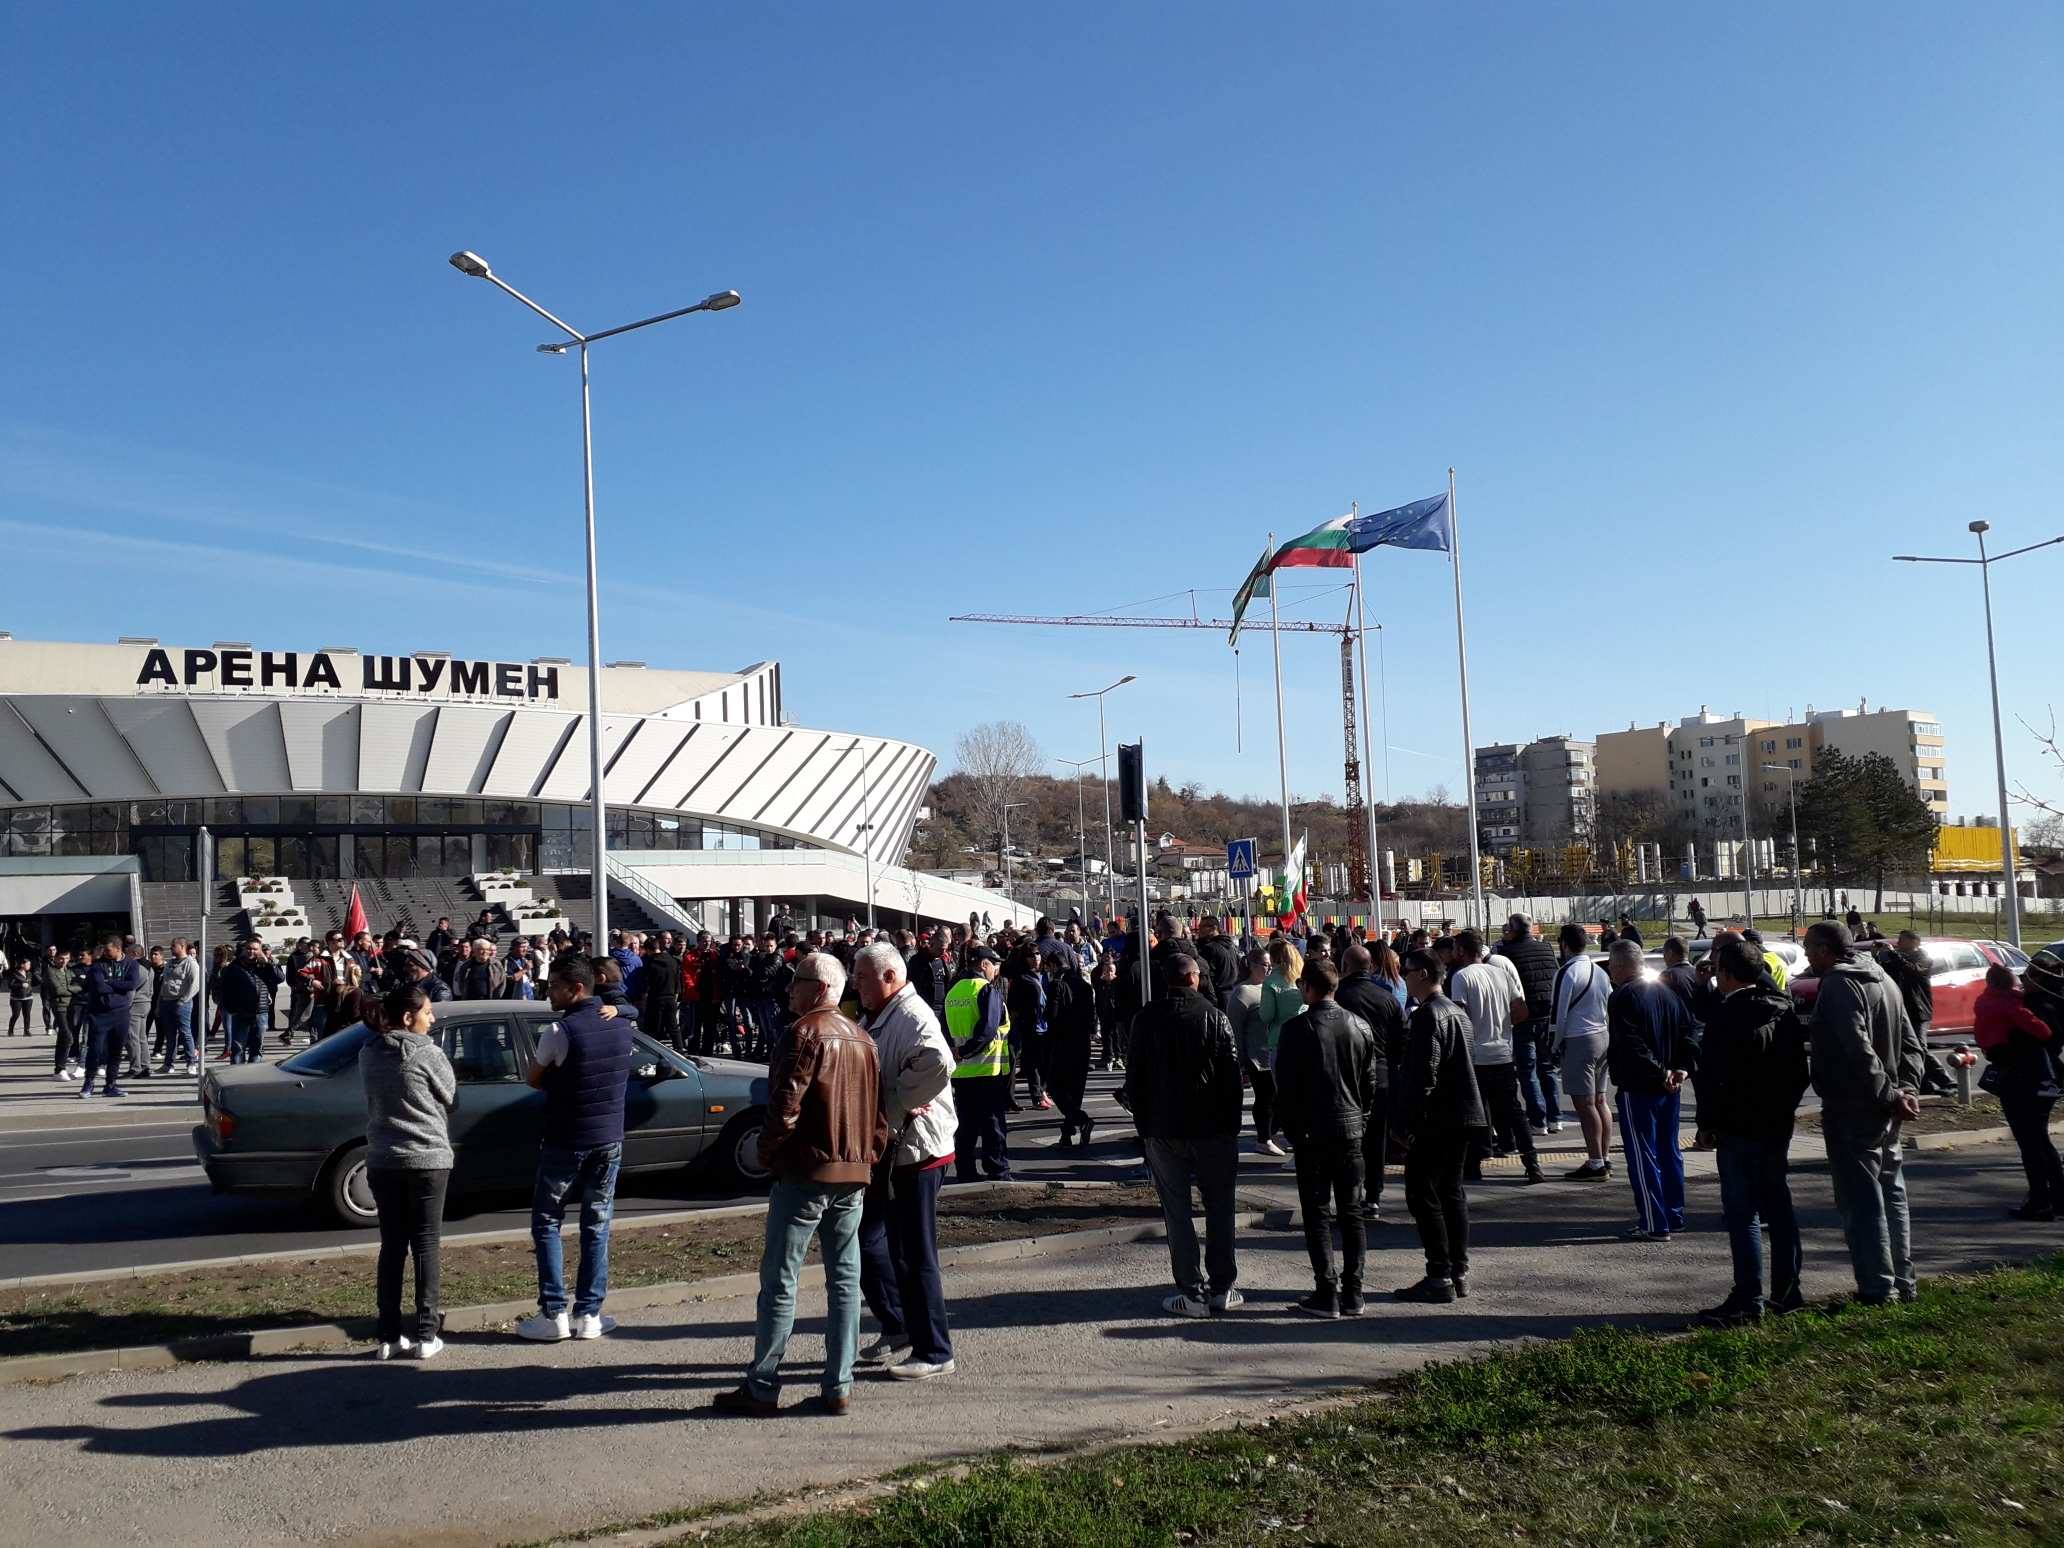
[963,1020]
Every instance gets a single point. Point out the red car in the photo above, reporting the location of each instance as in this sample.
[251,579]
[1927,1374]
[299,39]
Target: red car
[1958,977]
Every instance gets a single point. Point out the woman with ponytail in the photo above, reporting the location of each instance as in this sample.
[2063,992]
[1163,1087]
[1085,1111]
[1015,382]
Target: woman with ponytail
[410,1090]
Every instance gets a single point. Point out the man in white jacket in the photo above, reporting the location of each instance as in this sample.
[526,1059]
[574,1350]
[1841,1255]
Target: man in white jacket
[899,1226]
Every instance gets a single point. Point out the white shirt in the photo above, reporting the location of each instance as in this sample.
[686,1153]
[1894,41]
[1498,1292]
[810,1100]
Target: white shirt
[1581,990]
[1487,994]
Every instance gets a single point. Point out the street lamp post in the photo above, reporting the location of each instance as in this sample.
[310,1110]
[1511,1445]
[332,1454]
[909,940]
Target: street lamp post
[474,266]
[1081,831]
[1104,770]
[1792,791]
[1008,808]
[866,828]
[1985,562]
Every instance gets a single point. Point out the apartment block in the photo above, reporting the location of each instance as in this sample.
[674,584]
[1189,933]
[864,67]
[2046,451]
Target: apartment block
[1709,758]
[1500,797]
[1534,794]
[1635,761]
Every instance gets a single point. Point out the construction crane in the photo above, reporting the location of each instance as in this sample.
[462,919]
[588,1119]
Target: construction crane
[1359,861]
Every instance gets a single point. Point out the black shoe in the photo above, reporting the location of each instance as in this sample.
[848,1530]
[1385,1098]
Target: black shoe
[1083,1130]
[1320,1303]
[740,1400]
[2030,1212]
[1428,1292]
[1784,1305]
[1728,1315]
[1371,1215]
[1350,1300]
[1473,1174]
[1535,1175]
[1067,1139]
[1461,1282]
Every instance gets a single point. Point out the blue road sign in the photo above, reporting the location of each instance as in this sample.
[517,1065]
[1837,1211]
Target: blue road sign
[1239,854]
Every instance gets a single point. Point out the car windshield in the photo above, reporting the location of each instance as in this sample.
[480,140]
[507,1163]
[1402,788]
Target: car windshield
[334,1054]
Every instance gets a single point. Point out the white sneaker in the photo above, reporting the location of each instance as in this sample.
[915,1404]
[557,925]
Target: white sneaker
[1555,1126]
[1271,1148]
[593,1326]
[920,1370]
[1537,1128]
[544,1330]
[73,1072]
[1180,1305]
[1229,1300]
[429,1349]
[884,1351]
[389,1351]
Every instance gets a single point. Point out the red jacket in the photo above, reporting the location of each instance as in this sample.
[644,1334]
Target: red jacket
[2000,1013]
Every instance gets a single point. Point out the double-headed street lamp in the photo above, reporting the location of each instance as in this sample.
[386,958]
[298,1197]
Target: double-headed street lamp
[1103,760]
[1792,789]
[1985,562]
[1081,830]
[475,266]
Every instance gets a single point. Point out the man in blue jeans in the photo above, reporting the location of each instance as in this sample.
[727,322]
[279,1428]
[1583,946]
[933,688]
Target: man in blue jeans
[583,1066]
[823,1134]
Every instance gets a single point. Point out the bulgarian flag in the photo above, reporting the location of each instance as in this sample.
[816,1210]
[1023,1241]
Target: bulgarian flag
[1327,547]
[1293,882]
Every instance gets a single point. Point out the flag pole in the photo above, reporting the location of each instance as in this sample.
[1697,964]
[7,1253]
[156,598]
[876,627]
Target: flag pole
[1368,762]
[1282,753]
[1468,750]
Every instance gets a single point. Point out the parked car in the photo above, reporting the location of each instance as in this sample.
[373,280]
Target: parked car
[2005,953]
[1958,977]
[298,1126]
[1790,953]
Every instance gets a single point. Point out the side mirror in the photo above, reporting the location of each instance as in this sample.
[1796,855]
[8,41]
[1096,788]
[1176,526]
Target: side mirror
[646,1071]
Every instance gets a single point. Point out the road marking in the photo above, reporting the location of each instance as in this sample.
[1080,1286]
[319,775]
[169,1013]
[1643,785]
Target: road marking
[112,1139]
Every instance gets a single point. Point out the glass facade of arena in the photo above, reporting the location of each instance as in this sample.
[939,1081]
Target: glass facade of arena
[334,837]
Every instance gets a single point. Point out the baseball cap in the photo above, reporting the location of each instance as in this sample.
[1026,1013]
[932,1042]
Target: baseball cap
[983,954]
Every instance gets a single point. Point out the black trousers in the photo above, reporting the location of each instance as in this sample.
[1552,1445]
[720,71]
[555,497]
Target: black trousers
[1264,1101]
[1440,1209]
[52,1019]
[1329,1187]
[18,1011]
[1499,1086]
[662,1019]
[983,1135]
[1067,1073]
[71,1044]
[2029,1120]
[411,1205]
[1375,1147]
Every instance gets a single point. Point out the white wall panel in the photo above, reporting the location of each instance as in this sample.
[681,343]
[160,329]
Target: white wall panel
[394,745]
[30,771]
[88,745]
[645,755]
[166,737]
[756,745]
[531,737]
[793,750]
[568,780]
[712,747]
[244,735]
[460,754]
[322,744]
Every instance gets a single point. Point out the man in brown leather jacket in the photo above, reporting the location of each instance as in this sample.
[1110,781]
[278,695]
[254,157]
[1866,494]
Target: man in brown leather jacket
[823,1134]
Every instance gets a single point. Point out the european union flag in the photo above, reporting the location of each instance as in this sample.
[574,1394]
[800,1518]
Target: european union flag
[1422,524]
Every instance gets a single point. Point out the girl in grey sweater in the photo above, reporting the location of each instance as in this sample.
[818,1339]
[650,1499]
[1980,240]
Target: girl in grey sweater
[410,1092]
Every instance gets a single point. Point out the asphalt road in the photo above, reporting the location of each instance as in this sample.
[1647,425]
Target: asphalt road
[114,1184]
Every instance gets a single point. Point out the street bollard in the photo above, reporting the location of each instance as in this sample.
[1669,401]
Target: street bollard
[1963,1060]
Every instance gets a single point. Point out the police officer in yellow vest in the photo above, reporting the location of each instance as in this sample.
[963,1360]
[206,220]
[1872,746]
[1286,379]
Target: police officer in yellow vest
[978,1026]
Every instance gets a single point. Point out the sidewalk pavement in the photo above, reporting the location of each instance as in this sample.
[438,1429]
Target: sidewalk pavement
[501,1441]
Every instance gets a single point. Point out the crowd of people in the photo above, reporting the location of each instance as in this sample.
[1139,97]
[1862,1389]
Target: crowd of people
[896,1058]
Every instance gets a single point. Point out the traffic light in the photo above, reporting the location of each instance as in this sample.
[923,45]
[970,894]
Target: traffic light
[1132,782]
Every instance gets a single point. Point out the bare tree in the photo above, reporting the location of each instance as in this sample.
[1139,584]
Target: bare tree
[998,757]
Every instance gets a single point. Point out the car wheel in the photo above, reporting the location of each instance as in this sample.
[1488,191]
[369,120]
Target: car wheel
[346,1192]
[738,1150]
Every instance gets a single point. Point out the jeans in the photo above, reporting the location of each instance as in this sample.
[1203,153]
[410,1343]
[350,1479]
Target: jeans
[1212,1165]
[1329,1182]
[1537,1071]
[1754,1193]
[899,1262]
[411,1207]
[983,1133]
[1655,1163]
[1870,1196]
[1499,1086]
[71,1040]
[563,1175]
[797,1213]
[2029,1119]
[1440,1209]
[246,1037]
[176,1019]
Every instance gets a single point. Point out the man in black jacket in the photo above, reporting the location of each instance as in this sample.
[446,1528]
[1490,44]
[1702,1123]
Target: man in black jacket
[1182,1075]
[1651,1048]
[660,1013]
[1325,1085]
[1434,1102]
[1532,1062]
[1221,959]
[1911,970]
[931,975]
[1751,1074]
[1374,1002]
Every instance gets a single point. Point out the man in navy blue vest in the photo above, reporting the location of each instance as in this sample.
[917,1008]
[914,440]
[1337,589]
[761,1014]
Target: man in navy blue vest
[582,1064]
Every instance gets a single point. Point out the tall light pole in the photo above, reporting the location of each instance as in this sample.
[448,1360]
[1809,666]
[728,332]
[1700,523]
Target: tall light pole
[1104,770]
[866,828]
[1008,808]
[1748,844]
[1081,831]
[476,267]
[1985,562]
[1792,790]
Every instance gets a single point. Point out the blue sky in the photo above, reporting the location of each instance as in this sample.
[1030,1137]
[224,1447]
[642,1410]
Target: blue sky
[1053,309]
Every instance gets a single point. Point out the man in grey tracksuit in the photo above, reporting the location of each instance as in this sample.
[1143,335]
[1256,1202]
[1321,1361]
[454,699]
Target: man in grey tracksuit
[1867,1069]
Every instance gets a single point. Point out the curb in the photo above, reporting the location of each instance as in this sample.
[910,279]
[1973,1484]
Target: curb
[471,1239]
[1956,1138]
[271,1342]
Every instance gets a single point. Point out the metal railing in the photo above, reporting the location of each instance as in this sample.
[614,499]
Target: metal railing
[653,896]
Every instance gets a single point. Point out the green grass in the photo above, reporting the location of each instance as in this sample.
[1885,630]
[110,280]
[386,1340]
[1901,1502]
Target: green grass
[1939,1422]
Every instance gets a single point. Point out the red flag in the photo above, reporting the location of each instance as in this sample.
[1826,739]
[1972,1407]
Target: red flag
[354,917]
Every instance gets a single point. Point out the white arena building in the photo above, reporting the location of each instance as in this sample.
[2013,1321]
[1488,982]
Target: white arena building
[417,777]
